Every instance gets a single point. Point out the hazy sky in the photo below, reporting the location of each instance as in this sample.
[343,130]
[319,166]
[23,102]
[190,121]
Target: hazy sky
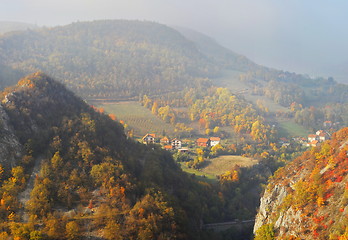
[306,36]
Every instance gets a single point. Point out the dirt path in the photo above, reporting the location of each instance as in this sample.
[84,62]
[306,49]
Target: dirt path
[25,195]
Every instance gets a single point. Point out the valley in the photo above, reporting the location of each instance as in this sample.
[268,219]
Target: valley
[122,129]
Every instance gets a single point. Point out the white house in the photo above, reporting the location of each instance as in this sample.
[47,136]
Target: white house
[149,138]
[176,143]
[214,141]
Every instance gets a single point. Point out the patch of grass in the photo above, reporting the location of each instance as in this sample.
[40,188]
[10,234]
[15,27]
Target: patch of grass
[218,166]
[230,80]
[199,174]
[138,118]
[291,129]
[272,106]
[222,164]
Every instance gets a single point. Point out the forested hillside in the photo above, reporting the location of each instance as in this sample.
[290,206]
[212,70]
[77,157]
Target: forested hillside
[222,56]
[76,175]
[86,164]
[307,199]
[122,59]
[109,58]
[119,59]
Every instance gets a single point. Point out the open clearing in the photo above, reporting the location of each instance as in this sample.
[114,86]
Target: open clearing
[200,174]
[218,166]
[138,118]
[288,128]
[230,80]
[222,164]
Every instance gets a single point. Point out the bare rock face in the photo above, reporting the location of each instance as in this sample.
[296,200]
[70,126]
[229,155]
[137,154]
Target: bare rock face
[10,148]
[269,202]
[308,198]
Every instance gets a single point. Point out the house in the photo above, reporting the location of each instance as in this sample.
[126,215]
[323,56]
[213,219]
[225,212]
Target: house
[214,141]
[314,143]
[164,141]
[176,143]
[319,132]
[312,137]
[149,138]
[322,137]
[327,124]
[203,142]
[168,147]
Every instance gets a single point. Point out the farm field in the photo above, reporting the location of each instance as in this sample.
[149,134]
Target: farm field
[221,164]
[289,128]
[218,166]
[137,117]
[230,80]
[200,174]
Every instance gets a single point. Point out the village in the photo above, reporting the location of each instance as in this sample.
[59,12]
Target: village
[177,144]
[312,140]
[185,145]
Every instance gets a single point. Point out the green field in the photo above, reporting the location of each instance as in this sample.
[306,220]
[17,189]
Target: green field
[200,174]
[221,164]
[138,118]
[218,166]
[230,80]
[289,128]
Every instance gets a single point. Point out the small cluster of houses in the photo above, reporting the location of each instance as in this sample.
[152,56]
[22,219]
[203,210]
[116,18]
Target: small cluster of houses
[315,139]
[208,142]
[177,143]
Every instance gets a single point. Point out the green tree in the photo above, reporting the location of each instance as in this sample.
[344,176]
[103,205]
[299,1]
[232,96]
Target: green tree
[40,203]
[36,235]
[154,108]
[72,230]
[265,232]
[113,230]
[56,162]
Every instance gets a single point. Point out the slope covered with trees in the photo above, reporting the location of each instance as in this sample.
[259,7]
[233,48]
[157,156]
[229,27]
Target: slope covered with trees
[91,179]
[79,176]
[307,199]
[126,59]
[109,58]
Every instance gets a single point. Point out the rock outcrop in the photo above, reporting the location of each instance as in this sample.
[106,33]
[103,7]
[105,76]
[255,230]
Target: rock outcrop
[10,148]
[308,198]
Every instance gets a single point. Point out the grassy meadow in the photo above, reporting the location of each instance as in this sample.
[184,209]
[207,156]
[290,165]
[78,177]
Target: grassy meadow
[230,80]
[138,118]
[288,128]
[225,163]
[218,166]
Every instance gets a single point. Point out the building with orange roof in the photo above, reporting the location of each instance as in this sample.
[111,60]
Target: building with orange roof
[149,138]
[214,141]
[203,142]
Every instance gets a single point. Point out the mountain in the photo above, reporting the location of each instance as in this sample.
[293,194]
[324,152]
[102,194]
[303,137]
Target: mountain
[307,199]
[124,59]
[70,172]
[219,54]
[15,26]
[109,58]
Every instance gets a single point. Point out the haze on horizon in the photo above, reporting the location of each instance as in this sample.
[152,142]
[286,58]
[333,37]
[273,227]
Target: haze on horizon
[298,36]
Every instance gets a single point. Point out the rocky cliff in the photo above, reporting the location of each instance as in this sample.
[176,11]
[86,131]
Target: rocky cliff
[10,148]
[307,199]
